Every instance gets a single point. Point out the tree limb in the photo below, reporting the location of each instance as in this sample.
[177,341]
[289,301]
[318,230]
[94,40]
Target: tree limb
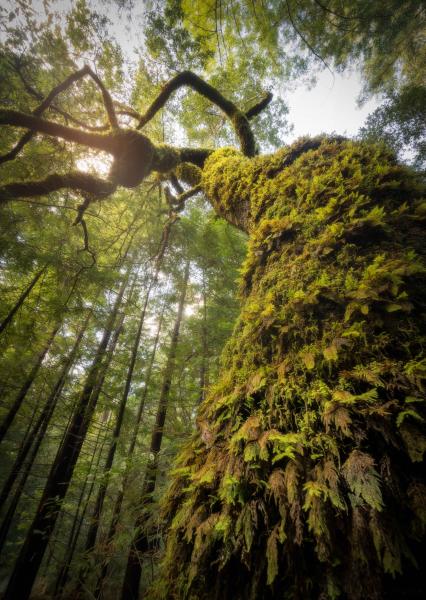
[187,78]
[36,124]
[47,102]
[86,241]
[257,108]
[76,180]
[178,202]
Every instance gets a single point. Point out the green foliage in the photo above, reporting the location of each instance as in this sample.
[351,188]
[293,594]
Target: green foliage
[400,122]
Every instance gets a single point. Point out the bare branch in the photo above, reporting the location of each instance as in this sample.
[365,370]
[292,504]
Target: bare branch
[86,242]
[47,102]
[108,103]
[69,117]
[302,37]
[123,109]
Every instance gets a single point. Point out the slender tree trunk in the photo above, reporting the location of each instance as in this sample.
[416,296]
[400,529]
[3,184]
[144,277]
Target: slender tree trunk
[63,576]
[119,500]
[94,525]
[7,421]
[204,367]
[44,418]
[64,573]
[31,554]
[140,542]
[78,519]
[21,300]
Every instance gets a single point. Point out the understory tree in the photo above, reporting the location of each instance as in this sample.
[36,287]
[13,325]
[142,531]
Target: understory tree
[305,476]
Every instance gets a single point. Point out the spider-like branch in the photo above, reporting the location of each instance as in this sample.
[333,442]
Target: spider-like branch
[47,102]
[135,156]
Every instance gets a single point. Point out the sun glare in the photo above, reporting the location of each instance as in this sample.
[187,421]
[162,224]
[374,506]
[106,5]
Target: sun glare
[97,164]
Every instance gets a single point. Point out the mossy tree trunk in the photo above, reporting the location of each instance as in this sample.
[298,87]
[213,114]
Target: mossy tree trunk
[305,478]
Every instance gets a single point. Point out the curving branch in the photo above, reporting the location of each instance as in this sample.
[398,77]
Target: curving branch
[257,108]
[178,202]
[67,116]
[76,180]
[238,118]
[86,247]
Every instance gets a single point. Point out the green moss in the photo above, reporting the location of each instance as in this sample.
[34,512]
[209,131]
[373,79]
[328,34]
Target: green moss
[311,473]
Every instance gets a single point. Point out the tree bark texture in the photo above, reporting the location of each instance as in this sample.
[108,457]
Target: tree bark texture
[305,478]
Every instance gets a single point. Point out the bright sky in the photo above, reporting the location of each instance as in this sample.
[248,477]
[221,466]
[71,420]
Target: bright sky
[330,106]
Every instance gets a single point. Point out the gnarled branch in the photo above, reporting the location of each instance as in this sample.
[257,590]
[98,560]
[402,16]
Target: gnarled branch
[36,124]
[47,102]
[238,118]
[135,156]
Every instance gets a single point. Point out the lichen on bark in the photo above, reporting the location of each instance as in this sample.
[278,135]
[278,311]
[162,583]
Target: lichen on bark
[305,476]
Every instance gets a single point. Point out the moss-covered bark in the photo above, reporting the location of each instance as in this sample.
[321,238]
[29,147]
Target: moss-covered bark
[305,478]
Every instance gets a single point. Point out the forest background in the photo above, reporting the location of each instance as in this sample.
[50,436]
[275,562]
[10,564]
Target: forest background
[133,305]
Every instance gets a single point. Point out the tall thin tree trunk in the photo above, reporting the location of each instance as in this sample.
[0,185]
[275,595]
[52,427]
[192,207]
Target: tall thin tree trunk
[63,576]
[98,388]
[43,420]
[119,500]
[31,554]
[78,519]
[94,525]
[140,542]
[7,421]
[204,366]
[21,300]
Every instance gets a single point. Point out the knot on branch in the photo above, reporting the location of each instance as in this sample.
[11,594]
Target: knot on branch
[134,155]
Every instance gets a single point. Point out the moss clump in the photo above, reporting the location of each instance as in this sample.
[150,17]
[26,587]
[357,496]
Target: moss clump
[305,479]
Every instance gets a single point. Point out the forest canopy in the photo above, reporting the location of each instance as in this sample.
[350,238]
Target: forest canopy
[211,334]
